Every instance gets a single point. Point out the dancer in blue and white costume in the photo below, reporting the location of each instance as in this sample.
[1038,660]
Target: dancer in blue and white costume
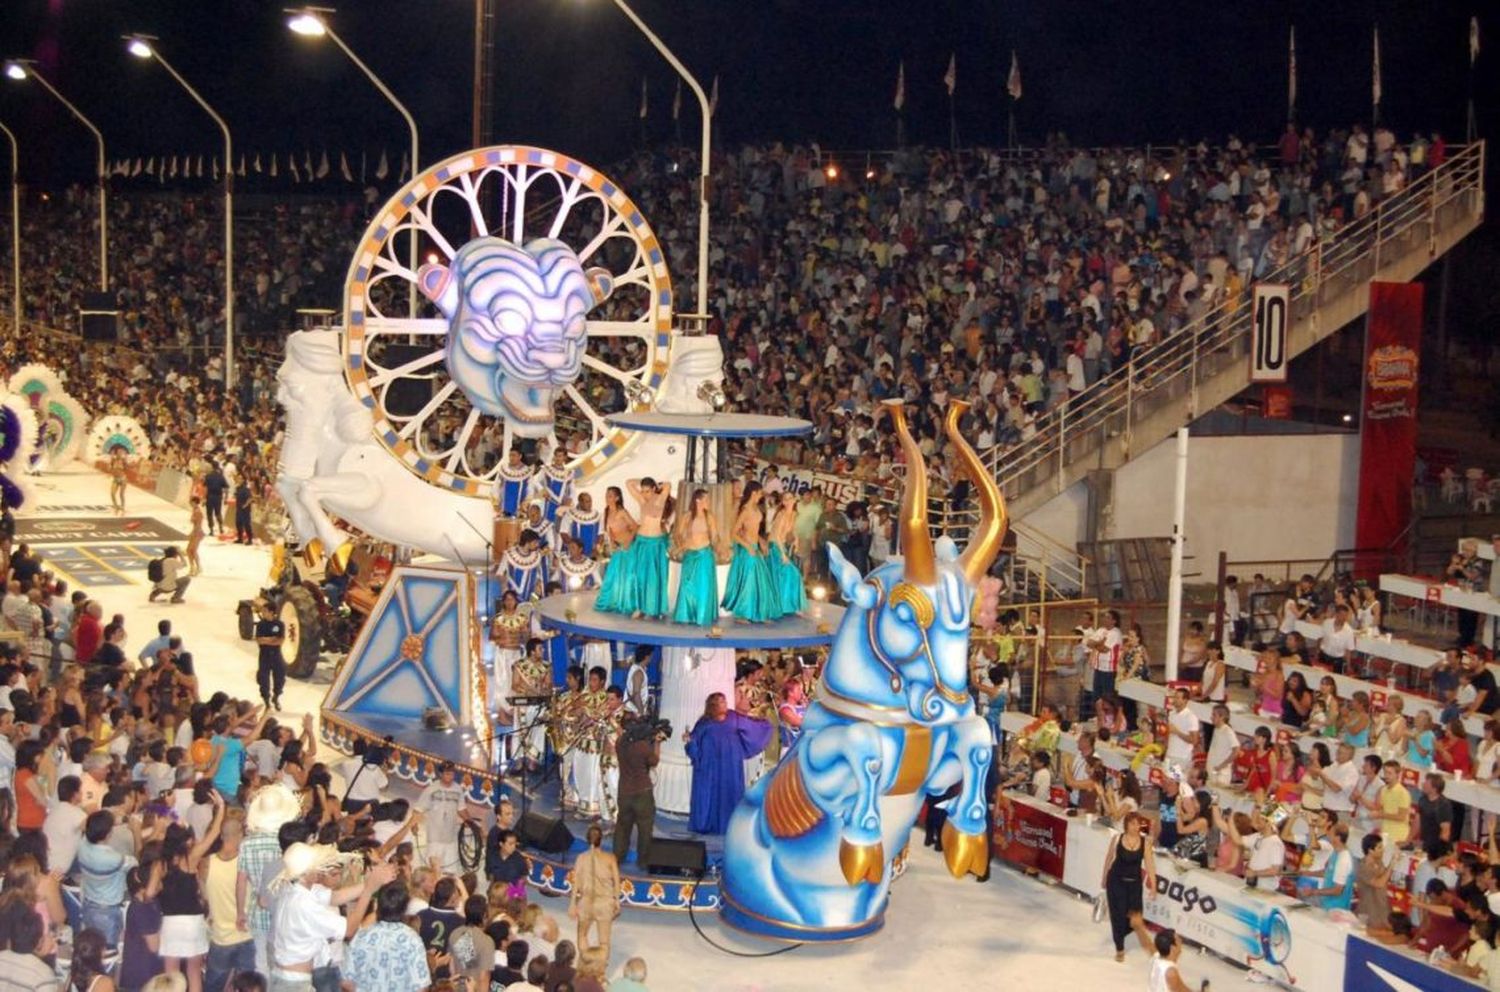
[582,521]
[512,485]
[748,590]
[696,539]
[554,484]
[619,535]
[786,577]
[575,570]
[523,567]
[536,520]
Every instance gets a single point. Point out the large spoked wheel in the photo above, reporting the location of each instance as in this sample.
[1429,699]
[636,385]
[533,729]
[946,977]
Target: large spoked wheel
[397,348]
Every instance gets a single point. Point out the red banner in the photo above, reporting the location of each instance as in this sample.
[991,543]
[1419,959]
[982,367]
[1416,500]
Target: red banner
[1032,838]
[1388,427]
[1277,402]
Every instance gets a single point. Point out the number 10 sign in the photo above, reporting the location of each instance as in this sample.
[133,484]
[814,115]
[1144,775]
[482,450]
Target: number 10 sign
[1269,354]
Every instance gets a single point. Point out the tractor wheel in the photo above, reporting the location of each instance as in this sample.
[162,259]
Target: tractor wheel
[303,638]
[246,618]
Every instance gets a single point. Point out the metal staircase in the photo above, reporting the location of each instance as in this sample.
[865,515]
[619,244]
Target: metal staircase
[1206,363]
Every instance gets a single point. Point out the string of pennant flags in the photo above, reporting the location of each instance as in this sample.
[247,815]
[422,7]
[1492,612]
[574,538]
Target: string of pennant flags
[275,165]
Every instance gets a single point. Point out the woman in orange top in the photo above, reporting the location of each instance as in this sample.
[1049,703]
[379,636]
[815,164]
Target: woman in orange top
[31,795]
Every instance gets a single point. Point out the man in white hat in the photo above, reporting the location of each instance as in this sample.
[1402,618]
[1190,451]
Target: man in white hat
[306,926]
[260,858]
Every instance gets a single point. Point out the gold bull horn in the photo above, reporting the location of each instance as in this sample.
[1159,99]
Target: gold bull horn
[916,542]
[984,540]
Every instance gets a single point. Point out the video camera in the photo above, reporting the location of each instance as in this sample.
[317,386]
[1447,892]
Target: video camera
[379,754]
[645,728]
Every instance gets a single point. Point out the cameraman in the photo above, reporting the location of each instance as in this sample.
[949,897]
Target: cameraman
[365,779]
[638,753]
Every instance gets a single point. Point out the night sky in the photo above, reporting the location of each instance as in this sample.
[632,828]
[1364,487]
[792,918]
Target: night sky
[569,72]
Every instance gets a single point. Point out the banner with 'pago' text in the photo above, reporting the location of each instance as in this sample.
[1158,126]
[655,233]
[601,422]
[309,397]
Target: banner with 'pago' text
[1388,425]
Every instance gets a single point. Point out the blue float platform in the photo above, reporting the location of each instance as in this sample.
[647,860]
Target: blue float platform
[418,752]
[574,613]
[553,872]
[715,425]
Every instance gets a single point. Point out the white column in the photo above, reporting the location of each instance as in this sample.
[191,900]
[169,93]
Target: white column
[1174,583]
[688,677]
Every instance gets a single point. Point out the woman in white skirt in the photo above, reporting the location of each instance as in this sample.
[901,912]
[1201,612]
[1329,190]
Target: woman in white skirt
[184,928]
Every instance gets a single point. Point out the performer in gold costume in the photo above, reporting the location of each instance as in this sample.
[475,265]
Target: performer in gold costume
[593,714]
[609,761]
[563,726]
[532,676]
[508,632]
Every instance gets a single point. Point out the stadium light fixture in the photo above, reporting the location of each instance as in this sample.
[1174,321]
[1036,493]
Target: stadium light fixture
[308,23]
[23,69]
[140,45]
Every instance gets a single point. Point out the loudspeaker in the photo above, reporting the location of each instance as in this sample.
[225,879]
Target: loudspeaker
[545,833]
[677,857]
[405,396]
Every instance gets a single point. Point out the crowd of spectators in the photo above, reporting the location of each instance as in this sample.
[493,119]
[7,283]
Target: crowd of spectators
[152,838]
[1292,761]
[1015,280]
[1012,280]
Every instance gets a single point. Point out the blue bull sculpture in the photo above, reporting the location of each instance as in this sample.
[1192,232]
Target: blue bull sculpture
[808,852]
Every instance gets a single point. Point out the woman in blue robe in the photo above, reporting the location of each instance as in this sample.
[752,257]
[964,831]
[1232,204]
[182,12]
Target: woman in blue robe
[717,746]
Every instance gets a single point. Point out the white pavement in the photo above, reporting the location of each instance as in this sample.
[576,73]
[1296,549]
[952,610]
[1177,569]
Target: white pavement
[940,934]
[206,621]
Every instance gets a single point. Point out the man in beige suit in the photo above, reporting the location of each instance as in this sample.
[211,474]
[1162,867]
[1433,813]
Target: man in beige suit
[596,892]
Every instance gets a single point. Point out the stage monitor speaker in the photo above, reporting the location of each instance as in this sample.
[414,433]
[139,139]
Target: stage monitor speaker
[678,857]
[406,396]
[545,833]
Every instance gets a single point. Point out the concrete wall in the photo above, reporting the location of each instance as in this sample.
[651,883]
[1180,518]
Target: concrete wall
[1256,498]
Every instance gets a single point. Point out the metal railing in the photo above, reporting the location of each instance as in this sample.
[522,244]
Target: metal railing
[1172,370]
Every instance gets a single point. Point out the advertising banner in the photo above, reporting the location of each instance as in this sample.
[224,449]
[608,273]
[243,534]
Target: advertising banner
[843,489]
[1033,836]
[1371,967]
[1266,931]
[1388,426]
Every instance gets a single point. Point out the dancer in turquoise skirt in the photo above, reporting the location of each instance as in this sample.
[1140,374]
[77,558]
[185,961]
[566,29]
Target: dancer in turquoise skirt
[786,577]
[648,554]
[748,591]
[696,536]
[618,592]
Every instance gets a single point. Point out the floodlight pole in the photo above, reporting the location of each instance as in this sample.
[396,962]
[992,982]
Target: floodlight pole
[703,165]
[15,228]
[100,168]
[411,126]
[228,219]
